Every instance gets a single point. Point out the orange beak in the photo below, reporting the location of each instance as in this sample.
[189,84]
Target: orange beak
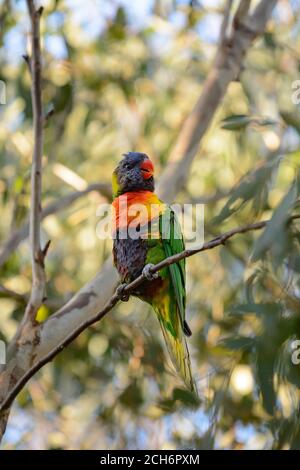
[147,168]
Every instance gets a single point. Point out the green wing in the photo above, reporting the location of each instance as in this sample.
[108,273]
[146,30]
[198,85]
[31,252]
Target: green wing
[169,302]
[173,243]
[171,308]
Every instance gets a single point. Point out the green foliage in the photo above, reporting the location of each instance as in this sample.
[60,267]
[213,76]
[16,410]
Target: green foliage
[276,228]
[254,187]
[241,121]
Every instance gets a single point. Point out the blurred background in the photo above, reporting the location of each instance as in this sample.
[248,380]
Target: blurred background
[123,76]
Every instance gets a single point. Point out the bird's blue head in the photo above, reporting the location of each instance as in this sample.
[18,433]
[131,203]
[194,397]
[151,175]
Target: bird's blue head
[133,173]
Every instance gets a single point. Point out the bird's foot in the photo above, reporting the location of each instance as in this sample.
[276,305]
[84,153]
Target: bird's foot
[148,274]
[124,296]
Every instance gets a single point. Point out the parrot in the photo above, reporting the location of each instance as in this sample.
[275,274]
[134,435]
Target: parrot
[157,235]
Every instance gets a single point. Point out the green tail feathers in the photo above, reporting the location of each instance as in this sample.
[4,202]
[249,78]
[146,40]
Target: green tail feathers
[176,344]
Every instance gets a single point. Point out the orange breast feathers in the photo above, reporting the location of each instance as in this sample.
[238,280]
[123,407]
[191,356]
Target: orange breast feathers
[135,209]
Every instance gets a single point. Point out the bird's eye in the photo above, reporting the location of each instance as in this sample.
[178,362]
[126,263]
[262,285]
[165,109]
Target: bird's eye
[128,166]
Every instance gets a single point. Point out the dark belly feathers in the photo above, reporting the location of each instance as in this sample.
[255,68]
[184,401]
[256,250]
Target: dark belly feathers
[129,259]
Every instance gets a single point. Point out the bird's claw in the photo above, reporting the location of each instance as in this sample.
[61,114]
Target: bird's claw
[148,274]
[124,296]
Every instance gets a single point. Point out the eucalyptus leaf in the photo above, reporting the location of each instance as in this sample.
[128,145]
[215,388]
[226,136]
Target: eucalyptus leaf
[265,368]
[257,309]
[238,343]
[291,118]
[254,187]
[276,224]
[236,122]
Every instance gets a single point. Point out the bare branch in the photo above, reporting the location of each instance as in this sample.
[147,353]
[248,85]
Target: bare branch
[227,67]
[128,290]
[241,12]
[3,421]
[53,303]
[225,22]
[37,254]
[261,12]
[10,294]
[56,206]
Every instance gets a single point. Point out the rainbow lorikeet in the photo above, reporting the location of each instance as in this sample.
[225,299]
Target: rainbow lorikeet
[157,235]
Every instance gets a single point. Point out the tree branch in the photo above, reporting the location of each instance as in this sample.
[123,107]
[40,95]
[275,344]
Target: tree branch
[227,67]
[10,294]
[241,12]
[225,22]
[116,297]
[37,254]
[56,206]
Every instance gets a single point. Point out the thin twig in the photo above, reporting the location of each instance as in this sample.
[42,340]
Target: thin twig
[53,303]
[225,22]
[11,294]
[37,254]
[128,290]
[56,206]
